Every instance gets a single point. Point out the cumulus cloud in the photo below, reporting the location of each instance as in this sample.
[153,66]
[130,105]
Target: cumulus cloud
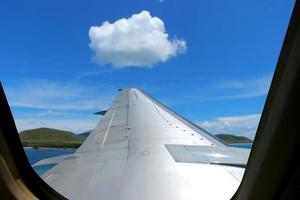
[139,41]
[244,125]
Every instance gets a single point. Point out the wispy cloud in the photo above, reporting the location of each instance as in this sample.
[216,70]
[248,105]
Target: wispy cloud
[139,41]
[243,125]
[241,89]
[92,73]
[43,94]
[78,125]
[67,106]
[52,113]
[221,90]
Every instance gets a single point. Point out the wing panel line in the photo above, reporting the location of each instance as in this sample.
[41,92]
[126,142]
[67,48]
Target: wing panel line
[107,130]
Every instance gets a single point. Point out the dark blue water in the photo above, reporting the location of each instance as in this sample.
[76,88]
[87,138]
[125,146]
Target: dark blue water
[35,155]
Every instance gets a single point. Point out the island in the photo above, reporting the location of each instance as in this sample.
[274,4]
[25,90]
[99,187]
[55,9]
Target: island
[50,138]
[233,139]
[54,138]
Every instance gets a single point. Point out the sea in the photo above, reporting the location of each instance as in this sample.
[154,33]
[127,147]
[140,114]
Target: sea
[35,155]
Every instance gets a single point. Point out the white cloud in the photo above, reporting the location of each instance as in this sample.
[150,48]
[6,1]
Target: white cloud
[244,125]
[139,41]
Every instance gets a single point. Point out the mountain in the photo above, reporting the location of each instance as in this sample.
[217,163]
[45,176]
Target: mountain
[84,135]
[48,137]
[230,139]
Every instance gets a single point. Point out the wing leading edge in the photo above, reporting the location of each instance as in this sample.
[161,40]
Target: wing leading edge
[142,150]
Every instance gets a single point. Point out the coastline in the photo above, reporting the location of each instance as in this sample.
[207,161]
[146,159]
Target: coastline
[51,148]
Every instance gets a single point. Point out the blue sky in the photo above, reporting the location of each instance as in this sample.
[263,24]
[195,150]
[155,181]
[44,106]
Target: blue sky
[212,61]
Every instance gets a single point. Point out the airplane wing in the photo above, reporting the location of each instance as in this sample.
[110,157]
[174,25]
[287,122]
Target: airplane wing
[142,150]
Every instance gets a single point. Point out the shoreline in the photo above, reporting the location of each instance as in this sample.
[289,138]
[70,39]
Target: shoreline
[52,148]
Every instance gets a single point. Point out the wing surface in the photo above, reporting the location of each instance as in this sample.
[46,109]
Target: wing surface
[143,150]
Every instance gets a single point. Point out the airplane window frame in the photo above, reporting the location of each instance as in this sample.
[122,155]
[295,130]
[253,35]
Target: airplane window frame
[18,179]
[267,175]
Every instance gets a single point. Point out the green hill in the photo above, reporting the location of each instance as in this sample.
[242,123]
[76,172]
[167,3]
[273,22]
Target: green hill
[47,137]
[230,139]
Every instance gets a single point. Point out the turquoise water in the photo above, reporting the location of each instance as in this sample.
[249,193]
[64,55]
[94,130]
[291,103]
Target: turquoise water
[35,155]
[242,145]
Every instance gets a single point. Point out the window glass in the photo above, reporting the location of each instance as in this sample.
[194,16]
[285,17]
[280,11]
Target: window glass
[209,61]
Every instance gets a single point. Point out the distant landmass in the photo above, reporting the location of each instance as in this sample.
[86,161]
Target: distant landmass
[227,138]
[54,138]
[233,139]
[48,137]
[84,135]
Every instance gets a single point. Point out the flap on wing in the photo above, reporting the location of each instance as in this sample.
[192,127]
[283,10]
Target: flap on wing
[101,112]
[209,154]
